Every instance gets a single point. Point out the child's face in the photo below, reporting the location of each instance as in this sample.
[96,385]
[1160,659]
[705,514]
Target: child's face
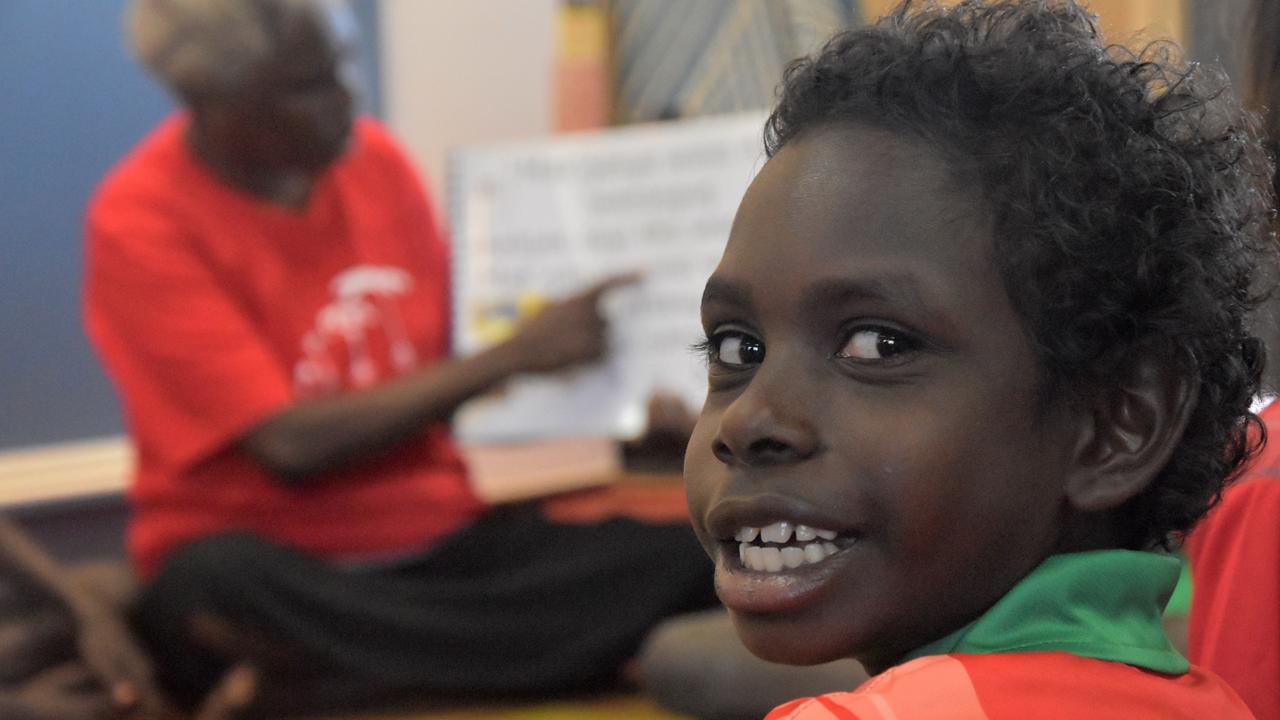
[869,377]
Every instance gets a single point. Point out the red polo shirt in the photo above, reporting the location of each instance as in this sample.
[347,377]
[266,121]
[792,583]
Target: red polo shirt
[213,310]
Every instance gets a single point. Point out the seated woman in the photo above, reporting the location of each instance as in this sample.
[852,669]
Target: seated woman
[268,288]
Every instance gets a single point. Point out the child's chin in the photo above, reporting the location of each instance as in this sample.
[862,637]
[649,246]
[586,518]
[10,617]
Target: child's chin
[778,639]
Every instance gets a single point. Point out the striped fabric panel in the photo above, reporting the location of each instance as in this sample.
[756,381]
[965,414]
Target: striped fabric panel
[675,58]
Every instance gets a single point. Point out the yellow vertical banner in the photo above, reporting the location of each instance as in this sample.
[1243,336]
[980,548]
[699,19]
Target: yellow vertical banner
[873,10]
[1136,22]
[1128,22]
[582,66]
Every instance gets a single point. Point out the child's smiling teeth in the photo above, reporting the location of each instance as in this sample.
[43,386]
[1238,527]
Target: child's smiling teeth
[812,545]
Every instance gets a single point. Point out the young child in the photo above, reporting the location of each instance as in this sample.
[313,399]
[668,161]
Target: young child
[66,652]
[977,358]
[1234,625]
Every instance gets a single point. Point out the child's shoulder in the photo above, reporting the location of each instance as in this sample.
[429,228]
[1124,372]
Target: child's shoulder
[1004,686]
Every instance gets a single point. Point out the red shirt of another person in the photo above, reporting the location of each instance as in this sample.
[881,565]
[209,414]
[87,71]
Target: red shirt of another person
[1234,628]
[213,310]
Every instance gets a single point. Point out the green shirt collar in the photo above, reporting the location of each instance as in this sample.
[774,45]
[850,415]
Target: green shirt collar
[1104,604]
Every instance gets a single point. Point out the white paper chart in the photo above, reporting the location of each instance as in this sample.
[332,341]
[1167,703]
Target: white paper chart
[540,220]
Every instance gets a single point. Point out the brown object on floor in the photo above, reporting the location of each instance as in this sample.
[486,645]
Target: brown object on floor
[613,707]
[647,498]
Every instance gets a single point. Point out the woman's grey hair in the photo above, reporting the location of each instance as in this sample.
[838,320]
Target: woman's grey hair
[207,47]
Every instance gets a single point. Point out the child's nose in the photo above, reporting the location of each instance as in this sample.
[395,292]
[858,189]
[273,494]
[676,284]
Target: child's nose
[764,427]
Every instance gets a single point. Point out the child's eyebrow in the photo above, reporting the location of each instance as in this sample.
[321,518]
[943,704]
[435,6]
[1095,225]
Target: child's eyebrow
[899,290]
[902,290]
[896,288]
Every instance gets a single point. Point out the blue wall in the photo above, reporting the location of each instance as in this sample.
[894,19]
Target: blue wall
[71,104]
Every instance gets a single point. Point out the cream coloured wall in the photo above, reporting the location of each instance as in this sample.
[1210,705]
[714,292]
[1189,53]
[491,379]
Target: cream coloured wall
[459,72]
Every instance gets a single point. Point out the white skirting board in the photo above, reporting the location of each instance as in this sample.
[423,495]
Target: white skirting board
[64,471]
[510,472]
[500,473]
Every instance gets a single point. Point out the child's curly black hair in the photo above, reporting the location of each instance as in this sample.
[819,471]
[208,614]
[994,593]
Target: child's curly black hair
[1128,191]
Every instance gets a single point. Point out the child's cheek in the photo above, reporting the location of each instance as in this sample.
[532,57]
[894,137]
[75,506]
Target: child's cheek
[920,482]
[703,475]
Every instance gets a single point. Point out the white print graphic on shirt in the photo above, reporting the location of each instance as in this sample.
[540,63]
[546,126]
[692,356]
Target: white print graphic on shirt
[364,304]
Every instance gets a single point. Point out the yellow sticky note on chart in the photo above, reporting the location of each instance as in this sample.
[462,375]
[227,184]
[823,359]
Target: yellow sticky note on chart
[495,322]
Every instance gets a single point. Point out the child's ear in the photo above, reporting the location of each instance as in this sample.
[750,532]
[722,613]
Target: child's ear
[1134,425]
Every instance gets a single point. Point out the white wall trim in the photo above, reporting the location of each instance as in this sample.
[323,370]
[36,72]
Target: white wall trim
[64,471]
[501,473]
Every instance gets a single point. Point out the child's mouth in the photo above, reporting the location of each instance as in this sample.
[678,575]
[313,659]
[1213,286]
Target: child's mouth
[785,546]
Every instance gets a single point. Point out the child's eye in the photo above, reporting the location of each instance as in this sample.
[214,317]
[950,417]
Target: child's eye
[874,343]
[732,349]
